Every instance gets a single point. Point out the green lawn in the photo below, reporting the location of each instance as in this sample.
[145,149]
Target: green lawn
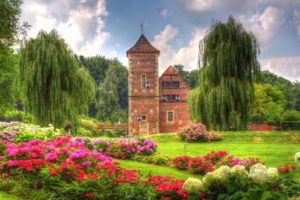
[4,196]
[274,148]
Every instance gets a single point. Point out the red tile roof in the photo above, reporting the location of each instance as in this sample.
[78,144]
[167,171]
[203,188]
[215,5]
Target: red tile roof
[142,46]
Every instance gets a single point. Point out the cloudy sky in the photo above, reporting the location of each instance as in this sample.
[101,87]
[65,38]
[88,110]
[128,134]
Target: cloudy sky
[111,27]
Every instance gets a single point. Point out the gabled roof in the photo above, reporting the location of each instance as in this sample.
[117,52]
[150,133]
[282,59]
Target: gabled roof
[172,71]
[142,46]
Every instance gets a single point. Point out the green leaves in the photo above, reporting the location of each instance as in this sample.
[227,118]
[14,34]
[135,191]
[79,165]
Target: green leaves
[55,90]
[226,80]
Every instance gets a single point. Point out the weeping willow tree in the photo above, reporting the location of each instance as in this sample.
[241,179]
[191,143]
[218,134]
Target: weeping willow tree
[54,88]
[230,66]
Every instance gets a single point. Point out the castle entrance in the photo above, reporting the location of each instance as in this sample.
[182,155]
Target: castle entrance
[143,127]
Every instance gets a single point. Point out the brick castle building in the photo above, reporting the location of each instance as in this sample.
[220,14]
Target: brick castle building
[156,105]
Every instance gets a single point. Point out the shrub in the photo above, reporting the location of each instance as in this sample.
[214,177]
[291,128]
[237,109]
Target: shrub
[236,183]
[291,120]
[194,132]
[158,159]
[16,115]
[214,136]
[181,162]
[197,165]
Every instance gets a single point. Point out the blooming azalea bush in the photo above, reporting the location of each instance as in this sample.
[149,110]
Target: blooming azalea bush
[123,148]
[209,162]
[197,132]
[74,170]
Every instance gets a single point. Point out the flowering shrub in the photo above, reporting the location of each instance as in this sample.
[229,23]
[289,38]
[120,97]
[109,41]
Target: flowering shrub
[123,148]
[211,161]
[8,136]
[286,169]
[181,162]
[198,166]
[194,132]
[72,163]
[237,183]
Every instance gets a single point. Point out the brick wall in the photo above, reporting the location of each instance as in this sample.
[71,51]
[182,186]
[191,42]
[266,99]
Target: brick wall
[143,101]
[179,108]
[261,127]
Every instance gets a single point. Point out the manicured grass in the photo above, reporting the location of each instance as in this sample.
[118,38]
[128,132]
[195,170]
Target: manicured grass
[274,148]
[4,196]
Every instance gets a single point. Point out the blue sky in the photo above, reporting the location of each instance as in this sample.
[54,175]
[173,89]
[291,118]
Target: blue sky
[111,27]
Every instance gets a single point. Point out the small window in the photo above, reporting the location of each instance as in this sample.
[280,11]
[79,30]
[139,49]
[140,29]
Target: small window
[166,98]
[170,116]
[142,117]
[177,97]
[144,81]
[166,84]
[175,84]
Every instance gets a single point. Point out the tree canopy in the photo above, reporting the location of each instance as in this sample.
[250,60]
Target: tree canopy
[226,80]
[9,28]
[54,88]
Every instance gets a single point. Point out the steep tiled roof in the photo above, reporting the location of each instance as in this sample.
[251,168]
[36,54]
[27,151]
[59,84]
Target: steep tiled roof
[142,46]
[171,71]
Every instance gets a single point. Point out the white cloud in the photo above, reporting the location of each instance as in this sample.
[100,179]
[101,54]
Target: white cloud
[201,5]
[264,24]
[187,56]
[166,13]
[79,22]
[296,18]
[287,67]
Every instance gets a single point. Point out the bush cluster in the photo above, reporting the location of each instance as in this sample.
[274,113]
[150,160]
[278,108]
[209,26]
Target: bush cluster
[64,168]
[207,163]
[194,132]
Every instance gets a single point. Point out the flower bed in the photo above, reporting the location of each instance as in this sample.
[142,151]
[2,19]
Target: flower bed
[207,163]
[67,169]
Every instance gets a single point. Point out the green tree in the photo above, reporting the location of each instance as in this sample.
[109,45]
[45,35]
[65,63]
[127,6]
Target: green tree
[191,78]
[9,28]
[269,103]
[226,80]
[97,66]
[289,89]
[55,90]
[107,95]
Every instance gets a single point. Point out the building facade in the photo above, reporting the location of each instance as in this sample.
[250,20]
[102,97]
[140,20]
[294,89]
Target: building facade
[155,104]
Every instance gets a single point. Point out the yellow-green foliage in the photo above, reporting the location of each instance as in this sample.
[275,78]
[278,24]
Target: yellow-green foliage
[55,89]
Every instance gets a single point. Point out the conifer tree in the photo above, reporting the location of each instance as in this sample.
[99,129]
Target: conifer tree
[54,88]
[230,66]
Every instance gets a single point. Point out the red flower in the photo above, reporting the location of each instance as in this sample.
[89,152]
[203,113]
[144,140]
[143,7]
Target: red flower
[89,194]
[294,167]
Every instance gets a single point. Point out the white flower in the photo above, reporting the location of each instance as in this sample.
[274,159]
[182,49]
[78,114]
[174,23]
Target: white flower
[209,179]
[259,173]
[272,172]
[297,158]
[239,169]
[192,186]
[223,173]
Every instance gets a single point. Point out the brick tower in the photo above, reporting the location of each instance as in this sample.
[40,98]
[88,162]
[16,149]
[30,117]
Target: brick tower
[143,88]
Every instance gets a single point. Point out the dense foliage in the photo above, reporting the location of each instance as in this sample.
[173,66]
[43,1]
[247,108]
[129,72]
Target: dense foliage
[111,77]
[9,29]
[190,77]
[194,132]
[226,80]
[55,89]
[290,90]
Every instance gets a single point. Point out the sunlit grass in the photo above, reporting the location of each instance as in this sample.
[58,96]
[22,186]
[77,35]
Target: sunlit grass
[274,148]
